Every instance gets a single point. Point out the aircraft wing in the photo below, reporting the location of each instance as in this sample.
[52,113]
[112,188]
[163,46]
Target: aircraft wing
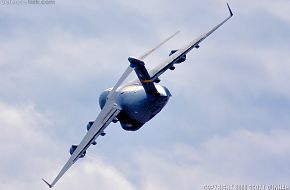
[105,117]
[107,114]
[169,62]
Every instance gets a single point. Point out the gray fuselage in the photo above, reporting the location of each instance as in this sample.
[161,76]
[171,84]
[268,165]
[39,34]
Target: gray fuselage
[137,107]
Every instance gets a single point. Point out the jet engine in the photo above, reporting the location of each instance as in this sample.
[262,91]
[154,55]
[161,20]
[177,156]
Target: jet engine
[89,125]
[181,59]
[73,148]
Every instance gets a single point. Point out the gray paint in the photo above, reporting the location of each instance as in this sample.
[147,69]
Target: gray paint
[137,107]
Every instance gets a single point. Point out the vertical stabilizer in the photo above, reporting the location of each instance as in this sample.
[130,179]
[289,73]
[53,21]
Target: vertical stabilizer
[143,75]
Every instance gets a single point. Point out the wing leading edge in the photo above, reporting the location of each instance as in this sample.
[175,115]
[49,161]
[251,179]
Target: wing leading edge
[105,117]
[169,62]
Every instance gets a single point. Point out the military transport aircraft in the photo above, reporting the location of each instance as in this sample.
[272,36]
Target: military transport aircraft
[135,103]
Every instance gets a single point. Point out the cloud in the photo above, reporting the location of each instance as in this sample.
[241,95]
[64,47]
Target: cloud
[94,172]
[239,157]
[242,157]
[32,152]
[278,8]
[231,96]
[25,143]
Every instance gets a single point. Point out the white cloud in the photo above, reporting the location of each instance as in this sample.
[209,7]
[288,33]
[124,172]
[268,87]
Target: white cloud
[94,173]
[30,152]
[25,144]
[242,157]
[278,8]
[78,41]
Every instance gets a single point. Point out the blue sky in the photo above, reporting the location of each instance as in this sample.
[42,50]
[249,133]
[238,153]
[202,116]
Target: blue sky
[227,122]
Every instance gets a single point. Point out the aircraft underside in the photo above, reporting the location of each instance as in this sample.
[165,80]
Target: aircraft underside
[137,107]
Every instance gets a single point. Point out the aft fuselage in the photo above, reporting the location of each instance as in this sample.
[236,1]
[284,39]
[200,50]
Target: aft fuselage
[137,107]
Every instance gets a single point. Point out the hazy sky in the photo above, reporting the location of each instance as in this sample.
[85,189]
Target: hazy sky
[228,121]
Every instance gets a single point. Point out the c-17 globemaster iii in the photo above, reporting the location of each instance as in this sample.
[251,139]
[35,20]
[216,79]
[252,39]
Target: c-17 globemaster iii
[135,103]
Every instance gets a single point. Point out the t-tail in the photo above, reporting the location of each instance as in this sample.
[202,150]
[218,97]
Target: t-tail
[143,75]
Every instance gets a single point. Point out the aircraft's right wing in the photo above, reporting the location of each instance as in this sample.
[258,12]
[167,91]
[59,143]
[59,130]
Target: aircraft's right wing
[171,60]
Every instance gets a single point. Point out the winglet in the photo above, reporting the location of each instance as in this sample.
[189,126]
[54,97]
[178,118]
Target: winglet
[50,186]
[230,10]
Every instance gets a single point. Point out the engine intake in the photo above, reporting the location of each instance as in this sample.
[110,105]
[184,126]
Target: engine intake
[89,125]
[73,148]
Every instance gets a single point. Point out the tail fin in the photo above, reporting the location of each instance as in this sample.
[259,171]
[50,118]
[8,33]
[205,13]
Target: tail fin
[143,75]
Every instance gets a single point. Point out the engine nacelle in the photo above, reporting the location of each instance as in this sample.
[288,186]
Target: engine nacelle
[172,68]
[103,97]
[157,80]
[181,59]
[89,125]
[73,148]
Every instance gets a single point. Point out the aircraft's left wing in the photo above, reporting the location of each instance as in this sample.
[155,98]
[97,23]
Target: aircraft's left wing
[171,60]
[105,117]
[107,114]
